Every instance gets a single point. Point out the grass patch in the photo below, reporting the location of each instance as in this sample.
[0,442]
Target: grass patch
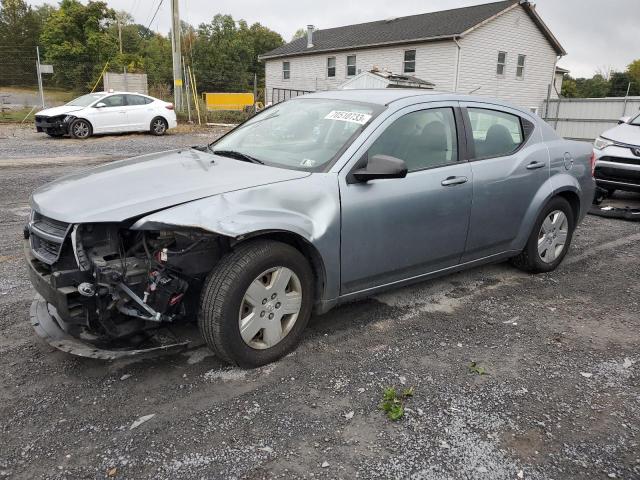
[17,115]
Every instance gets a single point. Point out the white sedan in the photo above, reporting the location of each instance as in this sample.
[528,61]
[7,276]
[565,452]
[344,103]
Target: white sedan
[107,112]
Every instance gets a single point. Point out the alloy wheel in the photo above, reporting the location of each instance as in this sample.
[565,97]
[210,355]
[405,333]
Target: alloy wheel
[270,307]
[81,129]
[553,235]
[159,126]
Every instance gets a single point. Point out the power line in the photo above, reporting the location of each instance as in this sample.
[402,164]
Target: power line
[154,15]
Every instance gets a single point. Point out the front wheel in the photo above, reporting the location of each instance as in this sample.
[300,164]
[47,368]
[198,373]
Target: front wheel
[550,239]
[256,303]
[80,129]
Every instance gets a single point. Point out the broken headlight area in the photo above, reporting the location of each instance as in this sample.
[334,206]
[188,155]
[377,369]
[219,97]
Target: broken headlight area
[115,287]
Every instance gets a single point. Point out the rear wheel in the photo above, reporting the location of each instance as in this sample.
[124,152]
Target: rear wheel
[159,126]
[80,129]
[256,303]
[549,240]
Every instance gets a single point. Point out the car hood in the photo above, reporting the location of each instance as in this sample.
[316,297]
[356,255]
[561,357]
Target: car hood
[126,189]
[625,133]
[61,110]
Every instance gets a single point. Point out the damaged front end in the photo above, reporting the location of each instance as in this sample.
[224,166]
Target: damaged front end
[108,291]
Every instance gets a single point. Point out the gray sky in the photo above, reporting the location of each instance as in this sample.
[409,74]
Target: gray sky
[597,34]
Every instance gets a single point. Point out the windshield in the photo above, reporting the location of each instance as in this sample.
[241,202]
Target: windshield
[85,100]
[635,121]
[302,134]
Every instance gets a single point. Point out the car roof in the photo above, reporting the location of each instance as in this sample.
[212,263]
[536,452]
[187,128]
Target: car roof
[123,93]
[386,96]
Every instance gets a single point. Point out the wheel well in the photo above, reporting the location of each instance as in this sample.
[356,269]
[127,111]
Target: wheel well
[574,201]
[303,246]
[166,122]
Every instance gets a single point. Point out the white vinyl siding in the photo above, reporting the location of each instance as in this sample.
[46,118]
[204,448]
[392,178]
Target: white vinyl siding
[309,72]
[515,33]
[512,32]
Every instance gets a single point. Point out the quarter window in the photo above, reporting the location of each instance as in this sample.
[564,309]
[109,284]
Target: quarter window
[423,139]
[409,61]
[495,133]
[286,70]
[502,63]
[331,67]
[351,65]
[520,67]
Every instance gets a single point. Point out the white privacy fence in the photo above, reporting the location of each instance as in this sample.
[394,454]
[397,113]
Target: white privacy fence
[587,118]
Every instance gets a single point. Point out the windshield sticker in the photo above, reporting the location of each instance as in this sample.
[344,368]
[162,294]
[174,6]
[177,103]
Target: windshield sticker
[353,117]
[307,162]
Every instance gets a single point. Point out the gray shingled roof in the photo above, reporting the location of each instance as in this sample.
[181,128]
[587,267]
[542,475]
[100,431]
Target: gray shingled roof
[426,26]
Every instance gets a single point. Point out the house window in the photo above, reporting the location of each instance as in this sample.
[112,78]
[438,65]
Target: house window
[520,67]
[286,70]
[351,65]
[409,61]
[331,67]
[502,63]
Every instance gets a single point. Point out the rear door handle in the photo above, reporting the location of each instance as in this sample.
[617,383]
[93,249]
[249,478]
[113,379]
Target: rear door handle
[449,181]
[535,165]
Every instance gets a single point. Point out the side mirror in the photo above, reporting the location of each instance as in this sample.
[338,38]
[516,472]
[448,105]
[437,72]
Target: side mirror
[623,120]
[381,166]
[100,105]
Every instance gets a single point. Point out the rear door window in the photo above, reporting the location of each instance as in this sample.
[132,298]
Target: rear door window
[137,100]
[495,133]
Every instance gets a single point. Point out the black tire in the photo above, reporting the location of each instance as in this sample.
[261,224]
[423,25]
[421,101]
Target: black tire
[80,129]
[529,259]
[158,126]
[223,294]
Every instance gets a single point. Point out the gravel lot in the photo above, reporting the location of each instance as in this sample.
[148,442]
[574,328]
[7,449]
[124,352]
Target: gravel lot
[560,398]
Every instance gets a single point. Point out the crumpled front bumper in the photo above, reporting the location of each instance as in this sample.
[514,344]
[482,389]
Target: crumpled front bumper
[50,306]
[47,326]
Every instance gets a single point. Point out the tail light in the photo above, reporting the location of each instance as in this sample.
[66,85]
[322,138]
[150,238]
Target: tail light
[169,106]
[593,164]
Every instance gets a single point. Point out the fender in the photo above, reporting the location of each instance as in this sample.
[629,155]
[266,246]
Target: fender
[553,186]
[271,208]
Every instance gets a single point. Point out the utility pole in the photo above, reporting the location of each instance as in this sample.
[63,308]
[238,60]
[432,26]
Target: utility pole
[124,68]
[177,55]
[39,76]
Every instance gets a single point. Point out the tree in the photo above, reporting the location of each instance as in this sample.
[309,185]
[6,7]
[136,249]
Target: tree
[225,54]
[569,87]
[622,82]
[634,72]
[300,33]
[20,27]
[78,41]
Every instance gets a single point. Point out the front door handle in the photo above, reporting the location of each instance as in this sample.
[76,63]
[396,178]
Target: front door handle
[535,165]
[449,181]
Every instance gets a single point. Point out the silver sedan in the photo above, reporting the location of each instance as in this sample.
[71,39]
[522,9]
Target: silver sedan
[314,202]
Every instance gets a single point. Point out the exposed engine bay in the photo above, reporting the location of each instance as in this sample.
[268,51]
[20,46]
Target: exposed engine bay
[113,287]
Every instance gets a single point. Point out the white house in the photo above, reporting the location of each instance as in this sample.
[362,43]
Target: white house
[502,50]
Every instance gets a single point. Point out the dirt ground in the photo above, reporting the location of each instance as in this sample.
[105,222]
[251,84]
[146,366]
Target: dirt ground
[560,397]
